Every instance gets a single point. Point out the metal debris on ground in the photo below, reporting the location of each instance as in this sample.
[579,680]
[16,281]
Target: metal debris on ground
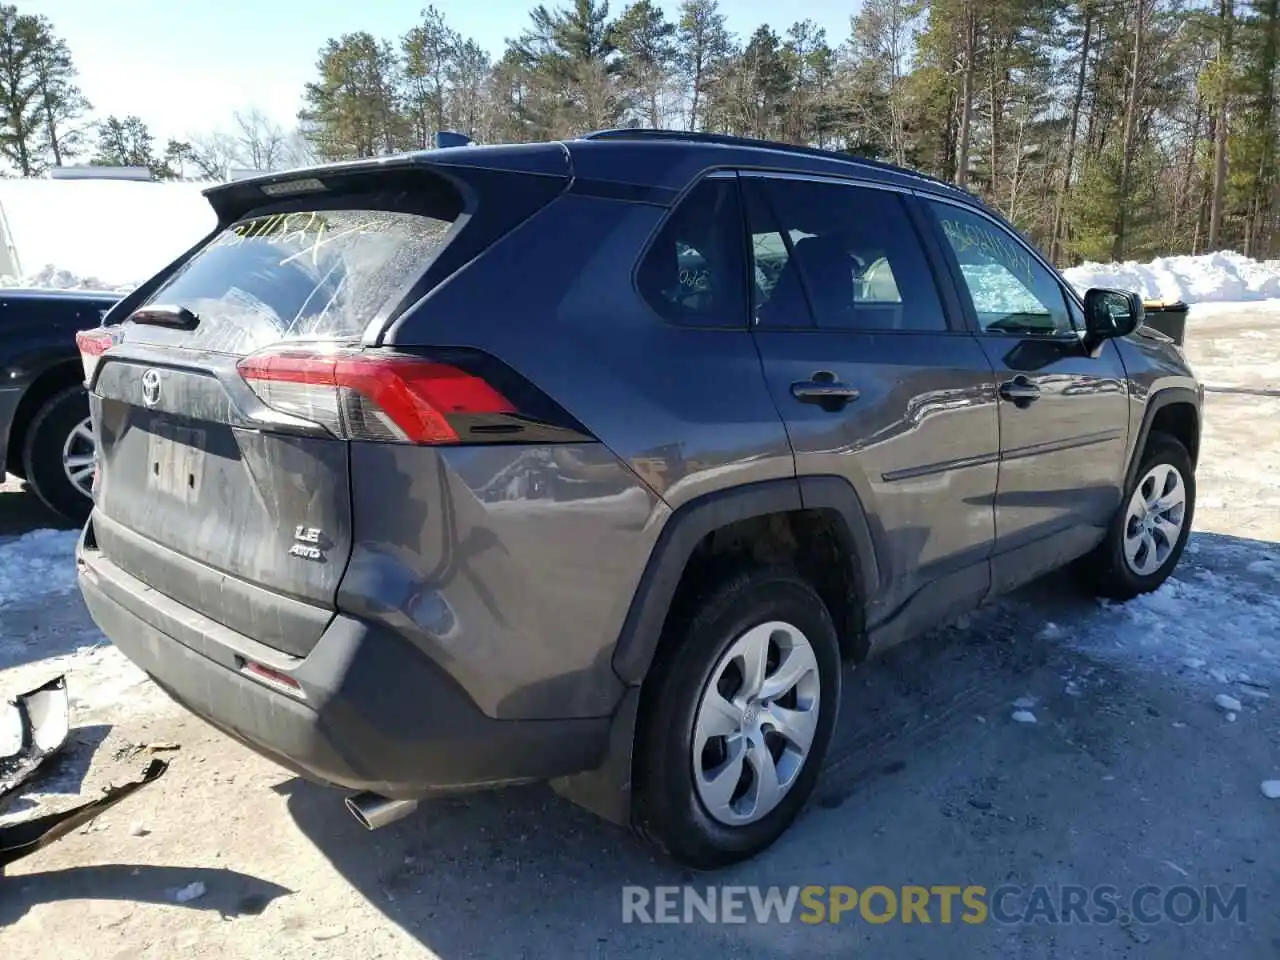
[21,839]
[33,727]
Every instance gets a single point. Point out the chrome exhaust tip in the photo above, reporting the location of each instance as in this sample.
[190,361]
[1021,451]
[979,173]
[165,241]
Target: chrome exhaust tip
[373,811]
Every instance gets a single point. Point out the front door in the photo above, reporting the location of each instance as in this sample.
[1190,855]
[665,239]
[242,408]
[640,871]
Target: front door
[1063,412]
[875,385]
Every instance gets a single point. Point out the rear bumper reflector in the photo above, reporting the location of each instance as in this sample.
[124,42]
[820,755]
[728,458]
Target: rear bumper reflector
[272,678]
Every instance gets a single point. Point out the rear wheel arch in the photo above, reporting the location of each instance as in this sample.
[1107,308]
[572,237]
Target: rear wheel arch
[826,512]
[807,523]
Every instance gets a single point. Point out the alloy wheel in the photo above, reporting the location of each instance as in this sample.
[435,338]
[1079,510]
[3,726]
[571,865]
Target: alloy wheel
[79,456]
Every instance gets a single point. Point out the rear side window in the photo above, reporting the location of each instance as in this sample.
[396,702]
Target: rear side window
[301,275]
[847,256]
[692,273]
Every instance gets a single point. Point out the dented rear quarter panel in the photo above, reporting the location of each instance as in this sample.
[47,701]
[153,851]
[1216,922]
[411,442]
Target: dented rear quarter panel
[510,566]
[543,584]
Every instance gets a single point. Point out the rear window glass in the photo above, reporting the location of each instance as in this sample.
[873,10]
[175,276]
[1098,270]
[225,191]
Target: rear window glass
[303,275]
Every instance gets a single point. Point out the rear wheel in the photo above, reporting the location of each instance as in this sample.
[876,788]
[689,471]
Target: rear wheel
[59,453]
[739,720]
[1150,530]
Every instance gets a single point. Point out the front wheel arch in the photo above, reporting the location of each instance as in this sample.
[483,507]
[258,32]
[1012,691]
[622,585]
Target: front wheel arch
[1173,410]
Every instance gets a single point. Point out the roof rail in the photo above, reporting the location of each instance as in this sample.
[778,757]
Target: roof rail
[724,139]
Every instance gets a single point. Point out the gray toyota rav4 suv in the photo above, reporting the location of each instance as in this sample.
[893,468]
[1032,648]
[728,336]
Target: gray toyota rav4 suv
[592,461]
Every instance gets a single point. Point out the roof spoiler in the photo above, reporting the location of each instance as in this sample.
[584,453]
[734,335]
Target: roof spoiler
[231,201]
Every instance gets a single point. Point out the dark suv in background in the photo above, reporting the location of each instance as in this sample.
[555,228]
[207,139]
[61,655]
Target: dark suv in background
[45,434]
[590,461]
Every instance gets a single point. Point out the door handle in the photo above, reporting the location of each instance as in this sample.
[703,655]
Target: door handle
[1020,391]
[825,390]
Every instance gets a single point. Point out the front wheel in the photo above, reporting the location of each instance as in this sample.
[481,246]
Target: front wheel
[737,725]
[1148,534]
[59,454]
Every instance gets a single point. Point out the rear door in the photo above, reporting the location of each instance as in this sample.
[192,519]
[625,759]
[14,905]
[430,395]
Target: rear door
[873,382]
[224,477]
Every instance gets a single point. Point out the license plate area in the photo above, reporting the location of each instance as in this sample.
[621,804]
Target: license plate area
[175,460]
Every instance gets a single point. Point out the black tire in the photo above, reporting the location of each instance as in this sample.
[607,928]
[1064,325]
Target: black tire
[42,453]
[668,810]
[1106,568]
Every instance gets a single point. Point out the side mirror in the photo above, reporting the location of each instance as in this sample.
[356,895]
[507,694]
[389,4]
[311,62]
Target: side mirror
[1109,314]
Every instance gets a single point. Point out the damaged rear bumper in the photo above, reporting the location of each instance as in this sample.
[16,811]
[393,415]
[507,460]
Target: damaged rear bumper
[33,727]
[371,712]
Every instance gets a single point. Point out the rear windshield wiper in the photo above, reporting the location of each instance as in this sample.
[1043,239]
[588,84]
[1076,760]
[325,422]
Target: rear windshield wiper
[166,315]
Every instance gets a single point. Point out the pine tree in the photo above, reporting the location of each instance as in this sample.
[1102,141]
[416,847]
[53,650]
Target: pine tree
[353,109]
[129,143]
[22,37]
[1102,128]
[703,48]
[430,51]
[1253,141]
[751,99]
[810,65]
[873,79]
[646,44]
[59,103]
[1085,15]
[568,58]
[1222,103]
[468,76]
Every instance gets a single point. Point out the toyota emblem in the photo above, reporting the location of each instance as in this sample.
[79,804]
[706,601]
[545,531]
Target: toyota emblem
[151,387]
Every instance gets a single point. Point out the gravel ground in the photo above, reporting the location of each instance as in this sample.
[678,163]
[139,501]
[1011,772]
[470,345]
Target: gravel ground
[1129,776]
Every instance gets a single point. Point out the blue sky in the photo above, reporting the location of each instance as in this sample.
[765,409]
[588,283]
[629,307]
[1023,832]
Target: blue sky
[184,66]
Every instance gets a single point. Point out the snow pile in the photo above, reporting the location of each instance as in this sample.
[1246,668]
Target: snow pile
[37,564]
[106,234]
[1215,277]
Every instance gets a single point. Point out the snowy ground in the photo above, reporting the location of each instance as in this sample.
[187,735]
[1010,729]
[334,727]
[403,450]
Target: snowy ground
[1130,775]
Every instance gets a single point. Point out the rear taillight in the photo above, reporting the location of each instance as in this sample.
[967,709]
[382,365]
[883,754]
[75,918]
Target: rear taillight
[92,345]
[374,395]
